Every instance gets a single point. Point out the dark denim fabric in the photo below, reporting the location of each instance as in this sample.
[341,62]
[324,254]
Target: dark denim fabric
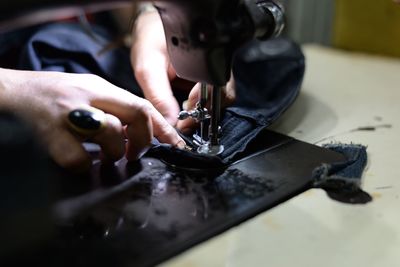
[352,168]
[67,47]
[268,78]
[11,44]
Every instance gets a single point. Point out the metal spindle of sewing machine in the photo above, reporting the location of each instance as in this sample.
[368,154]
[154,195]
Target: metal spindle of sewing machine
[207,144]
[212,146]
[203,97]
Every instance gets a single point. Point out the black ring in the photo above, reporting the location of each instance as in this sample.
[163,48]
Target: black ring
[86,121]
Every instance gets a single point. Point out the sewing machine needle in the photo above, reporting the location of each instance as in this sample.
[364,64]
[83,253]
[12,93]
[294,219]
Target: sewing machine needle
[202,104]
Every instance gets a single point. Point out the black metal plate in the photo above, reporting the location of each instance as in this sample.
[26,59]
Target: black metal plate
[142,214]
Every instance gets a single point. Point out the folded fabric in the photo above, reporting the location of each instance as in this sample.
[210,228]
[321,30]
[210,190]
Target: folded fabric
[342,180]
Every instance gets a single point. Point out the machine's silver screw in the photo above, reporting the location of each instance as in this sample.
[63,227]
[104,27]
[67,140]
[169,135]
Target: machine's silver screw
[183,115]
[197,114]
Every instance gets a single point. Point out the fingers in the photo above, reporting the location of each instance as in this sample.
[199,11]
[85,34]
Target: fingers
[111,139]
[163,131]
[142,120]
[139,133]
[51,99]
[151,65]
[230,93]
[156,88]
[92,124]
[67,151]
[148,123]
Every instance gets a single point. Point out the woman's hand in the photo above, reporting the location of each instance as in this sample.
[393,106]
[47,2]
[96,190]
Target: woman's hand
[45,99]
[151,64]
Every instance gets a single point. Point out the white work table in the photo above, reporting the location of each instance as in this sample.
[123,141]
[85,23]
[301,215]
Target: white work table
[341,91]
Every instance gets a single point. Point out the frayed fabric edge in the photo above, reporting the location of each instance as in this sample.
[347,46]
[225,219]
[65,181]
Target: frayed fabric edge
[342,180]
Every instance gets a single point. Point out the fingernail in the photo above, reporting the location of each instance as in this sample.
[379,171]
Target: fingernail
[185,105]
[181,145]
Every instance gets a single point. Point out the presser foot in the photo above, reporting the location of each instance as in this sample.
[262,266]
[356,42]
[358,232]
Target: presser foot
[206,147]
[201,115]
[212,150]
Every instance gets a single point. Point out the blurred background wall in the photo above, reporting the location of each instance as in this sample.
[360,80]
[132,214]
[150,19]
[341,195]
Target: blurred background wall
[363,25]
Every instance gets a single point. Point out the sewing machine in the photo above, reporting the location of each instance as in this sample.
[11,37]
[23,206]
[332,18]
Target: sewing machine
[202,37]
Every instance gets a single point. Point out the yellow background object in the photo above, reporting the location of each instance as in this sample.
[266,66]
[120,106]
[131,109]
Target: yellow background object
[368,25]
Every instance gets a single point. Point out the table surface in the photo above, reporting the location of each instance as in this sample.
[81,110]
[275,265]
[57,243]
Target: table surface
[342,91]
